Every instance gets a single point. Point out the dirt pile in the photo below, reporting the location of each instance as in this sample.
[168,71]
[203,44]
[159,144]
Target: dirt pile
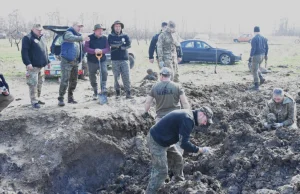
[59,152]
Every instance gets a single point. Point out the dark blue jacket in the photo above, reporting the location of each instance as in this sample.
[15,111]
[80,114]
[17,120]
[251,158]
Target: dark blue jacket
[68,48]
[259,46]
[95,43]
[34,50]
[152,46]
[119,44]
[3,82]
[174,127]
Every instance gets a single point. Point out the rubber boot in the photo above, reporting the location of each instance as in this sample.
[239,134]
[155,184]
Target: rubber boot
[262,80]
[255,87]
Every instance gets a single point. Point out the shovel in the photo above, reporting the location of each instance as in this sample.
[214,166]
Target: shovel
[102,97]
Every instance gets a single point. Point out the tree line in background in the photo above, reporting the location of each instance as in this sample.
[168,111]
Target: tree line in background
[15,27]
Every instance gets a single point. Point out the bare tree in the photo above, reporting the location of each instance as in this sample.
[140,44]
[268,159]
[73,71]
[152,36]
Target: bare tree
[16,28]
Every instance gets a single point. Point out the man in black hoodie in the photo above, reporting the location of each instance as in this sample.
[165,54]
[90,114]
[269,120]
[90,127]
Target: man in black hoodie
[119,42]
[176,126]
[5,97]
[35,57]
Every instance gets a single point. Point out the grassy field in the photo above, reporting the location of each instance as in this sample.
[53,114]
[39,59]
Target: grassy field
[283,51]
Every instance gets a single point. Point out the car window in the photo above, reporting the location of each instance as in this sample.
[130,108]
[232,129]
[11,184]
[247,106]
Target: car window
[189,45]
[58,41]
[198,44]
[204,45]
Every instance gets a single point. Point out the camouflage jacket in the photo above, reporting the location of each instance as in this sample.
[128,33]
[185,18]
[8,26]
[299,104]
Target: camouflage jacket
[168,46]
[285,112]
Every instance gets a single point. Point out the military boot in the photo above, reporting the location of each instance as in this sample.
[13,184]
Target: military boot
[118,94]
[262,80]
[255,87]
[128,95]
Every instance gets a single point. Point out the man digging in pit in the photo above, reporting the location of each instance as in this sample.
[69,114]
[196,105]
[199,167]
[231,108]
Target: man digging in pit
[176,126]
[280,111]
[167,95]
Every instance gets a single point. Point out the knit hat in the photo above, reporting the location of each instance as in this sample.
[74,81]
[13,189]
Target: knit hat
[256,29]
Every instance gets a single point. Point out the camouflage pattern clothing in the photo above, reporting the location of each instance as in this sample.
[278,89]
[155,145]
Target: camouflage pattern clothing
[153,76]
[168,49]
[121,67]
[256,62]
[69,76]
[162,157]
[285,112]
[35,79]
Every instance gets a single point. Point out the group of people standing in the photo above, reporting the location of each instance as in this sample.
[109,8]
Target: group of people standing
[35,57]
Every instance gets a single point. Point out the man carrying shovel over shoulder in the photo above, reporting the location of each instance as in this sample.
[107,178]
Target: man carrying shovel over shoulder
[96,48]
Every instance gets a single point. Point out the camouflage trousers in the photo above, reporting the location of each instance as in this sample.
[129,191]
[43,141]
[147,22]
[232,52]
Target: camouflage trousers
[85,67]
[122,68]
[256,62]
[35,79]
[69,77]
[5,101]
[93,68]
[172,63]
[162,157]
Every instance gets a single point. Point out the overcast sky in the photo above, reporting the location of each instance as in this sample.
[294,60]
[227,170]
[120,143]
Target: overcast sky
[197,14]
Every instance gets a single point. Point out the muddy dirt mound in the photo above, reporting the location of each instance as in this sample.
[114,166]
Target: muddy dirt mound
[105,151]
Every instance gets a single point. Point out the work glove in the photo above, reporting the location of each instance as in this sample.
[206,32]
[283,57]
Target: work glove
[206,150]
[145,115]
[277,125]
[250,59]
[161,64]
[266,57]
[267,125]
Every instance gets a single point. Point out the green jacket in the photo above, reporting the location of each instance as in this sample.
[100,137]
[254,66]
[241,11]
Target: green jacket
[285,112]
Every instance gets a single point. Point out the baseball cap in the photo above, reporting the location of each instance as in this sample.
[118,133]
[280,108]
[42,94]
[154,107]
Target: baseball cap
[37,26]
[208,113]
[99,26]
[166,71]
[77,24]
[278,92]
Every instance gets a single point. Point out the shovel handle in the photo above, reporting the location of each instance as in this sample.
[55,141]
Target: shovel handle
[98,55]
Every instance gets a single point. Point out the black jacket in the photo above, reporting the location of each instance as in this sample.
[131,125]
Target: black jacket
[174,127]
[119,44]
[34,50]
[152,46]
[3,82]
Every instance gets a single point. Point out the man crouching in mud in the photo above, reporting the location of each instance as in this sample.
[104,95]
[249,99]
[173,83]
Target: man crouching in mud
[172,128]
[280,111]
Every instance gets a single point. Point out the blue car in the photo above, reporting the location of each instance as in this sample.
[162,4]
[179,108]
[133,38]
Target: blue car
[206,51]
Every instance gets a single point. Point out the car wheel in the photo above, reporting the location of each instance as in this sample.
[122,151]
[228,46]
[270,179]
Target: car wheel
[131,61]
[236,40]
[225,59]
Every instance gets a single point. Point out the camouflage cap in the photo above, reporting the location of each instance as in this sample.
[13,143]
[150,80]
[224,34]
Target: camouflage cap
[77,23]
[166,71]
[37,27]
[99,26]
[171,24]
[208,113]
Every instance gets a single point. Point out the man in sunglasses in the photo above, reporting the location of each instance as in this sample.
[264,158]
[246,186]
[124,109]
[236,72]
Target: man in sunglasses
[167,95]
[280,111]
[176,126]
